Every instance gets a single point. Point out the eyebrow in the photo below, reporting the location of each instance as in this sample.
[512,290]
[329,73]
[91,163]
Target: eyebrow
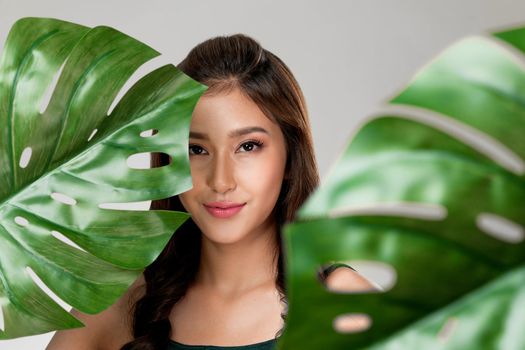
[231,134]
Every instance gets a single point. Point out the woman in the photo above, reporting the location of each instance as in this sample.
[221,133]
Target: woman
[219,281]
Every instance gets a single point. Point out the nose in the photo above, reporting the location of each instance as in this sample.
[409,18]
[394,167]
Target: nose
[221,176]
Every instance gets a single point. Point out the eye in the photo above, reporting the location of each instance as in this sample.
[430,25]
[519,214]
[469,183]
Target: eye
[197,149]
[249,145]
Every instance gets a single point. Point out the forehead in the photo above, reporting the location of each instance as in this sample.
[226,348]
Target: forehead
[222,113]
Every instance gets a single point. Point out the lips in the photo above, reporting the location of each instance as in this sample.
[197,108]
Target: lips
[223,205]
[223,210]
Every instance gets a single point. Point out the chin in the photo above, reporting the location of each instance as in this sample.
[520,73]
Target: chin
[222,235]
[223,239]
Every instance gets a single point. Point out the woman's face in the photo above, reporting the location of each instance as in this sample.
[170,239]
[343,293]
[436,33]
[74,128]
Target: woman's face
[237,156]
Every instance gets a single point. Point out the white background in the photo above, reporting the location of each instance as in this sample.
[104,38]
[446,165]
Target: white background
[348,56]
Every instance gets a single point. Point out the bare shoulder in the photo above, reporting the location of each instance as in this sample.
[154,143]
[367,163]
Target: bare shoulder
[347,279]
[107,330]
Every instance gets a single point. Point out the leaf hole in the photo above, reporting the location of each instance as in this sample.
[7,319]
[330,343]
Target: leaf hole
[352,323]
[2,326]
[46,98]
[485,144]
[21,221]
[62,198]
[142,71]
[501,228]
[149,133]
[426,211]
[92,135]
[143,160]
[447,329]
[25,157]
[46,289]
[139,206]
[356,276]
[66,240]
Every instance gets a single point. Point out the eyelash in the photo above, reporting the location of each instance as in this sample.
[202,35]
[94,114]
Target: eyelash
[256,142]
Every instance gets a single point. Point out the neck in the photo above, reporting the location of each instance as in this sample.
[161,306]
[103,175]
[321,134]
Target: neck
[233,268]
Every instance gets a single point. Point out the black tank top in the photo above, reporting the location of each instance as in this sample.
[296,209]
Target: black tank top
[265,345]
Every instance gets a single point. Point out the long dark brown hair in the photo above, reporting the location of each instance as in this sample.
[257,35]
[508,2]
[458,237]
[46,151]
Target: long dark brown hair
[223,63]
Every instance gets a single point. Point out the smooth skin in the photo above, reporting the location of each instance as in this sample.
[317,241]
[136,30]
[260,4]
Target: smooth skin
[234,300]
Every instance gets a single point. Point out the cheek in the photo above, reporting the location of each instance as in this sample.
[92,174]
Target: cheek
[182,199]
[187,200]
[264,176]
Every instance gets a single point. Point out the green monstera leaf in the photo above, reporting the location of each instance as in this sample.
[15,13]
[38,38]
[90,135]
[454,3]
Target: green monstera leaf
[59,166]
[432,191]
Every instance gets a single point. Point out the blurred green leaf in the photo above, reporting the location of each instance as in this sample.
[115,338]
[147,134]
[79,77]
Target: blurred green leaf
[416,189]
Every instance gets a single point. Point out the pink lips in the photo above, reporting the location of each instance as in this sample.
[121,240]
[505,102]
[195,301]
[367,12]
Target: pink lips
[223,209]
